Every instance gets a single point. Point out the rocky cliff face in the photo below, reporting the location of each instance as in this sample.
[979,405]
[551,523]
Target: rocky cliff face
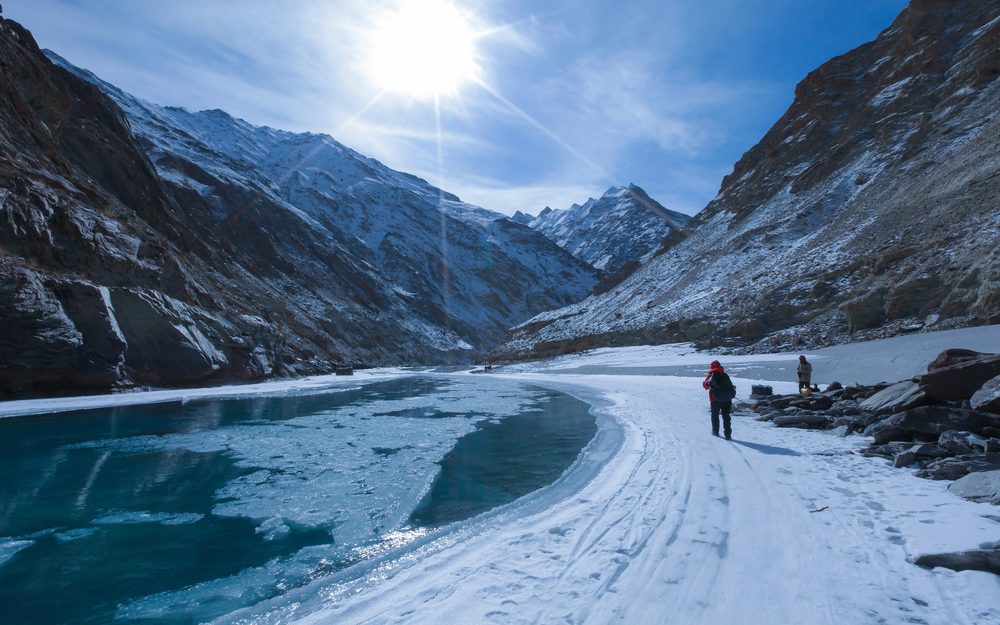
[448,277]
[84,226]
[870,207]
[229,252]
[624,225]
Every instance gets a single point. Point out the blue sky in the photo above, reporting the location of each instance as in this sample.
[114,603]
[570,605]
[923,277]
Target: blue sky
[582,95]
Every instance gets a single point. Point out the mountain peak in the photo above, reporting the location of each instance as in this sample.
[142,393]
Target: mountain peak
[522,218]
[624,225]
[631,190]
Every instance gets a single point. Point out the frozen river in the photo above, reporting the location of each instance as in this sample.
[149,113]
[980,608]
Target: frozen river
[328,501]
[183,511]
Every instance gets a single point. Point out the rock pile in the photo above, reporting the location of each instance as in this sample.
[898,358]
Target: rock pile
[946,422]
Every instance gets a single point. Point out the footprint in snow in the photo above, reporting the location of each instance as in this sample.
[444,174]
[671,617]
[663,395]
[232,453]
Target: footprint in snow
[895,536]
[844,491]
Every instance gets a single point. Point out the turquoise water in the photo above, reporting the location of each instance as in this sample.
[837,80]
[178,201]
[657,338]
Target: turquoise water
[181,512]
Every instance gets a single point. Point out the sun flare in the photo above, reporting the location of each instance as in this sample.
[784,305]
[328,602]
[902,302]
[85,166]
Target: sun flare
[425,48]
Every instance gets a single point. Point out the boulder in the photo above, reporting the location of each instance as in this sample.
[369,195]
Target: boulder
[954,356]
[982,486]
[974,560]
[920,452]
[961,380]
[987,559]
[841,430]
[834,386]
[847,404]
[962,443]
[896,398]
[782,402]
[930,450]
[847,422]
[888,450]
[954,468]
[988,396]
[821,402]
[929,422]
[864,421]
[802,420]
[904,459]
[853,391]
[761,390]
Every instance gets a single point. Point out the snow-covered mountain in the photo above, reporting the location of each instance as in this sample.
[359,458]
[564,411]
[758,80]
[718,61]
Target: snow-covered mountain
[623,225]
[175,247]
[870,207]
[440,254]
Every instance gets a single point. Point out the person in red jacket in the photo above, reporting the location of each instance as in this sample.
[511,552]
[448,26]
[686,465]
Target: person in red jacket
[721,392]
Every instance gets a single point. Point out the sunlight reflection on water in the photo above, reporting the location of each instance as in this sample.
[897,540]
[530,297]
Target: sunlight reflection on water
[182,512]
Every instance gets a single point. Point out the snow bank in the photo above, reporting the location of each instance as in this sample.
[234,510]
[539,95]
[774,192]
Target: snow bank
[870,362]
[324,383]
[776,526]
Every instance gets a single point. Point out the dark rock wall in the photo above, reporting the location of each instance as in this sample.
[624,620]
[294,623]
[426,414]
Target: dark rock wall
[110,277]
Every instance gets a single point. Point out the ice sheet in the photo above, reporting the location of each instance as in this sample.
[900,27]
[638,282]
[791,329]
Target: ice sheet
[9,547]
[355,471]
[128,517]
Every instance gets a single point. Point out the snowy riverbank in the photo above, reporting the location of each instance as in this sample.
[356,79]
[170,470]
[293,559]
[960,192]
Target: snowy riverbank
[777,526]
[658,521]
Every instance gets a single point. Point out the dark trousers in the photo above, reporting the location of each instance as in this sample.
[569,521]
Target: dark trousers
[726,407]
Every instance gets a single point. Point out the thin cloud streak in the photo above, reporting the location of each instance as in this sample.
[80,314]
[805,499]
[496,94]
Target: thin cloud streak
[665,94]
[544,130]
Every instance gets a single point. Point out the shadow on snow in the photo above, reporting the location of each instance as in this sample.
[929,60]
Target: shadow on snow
[768,449]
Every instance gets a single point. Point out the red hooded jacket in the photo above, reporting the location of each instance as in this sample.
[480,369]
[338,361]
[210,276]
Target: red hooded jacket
[716,366]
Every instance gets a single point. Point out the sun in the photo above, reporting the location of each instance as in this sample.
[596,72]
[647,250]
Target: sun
[424,49]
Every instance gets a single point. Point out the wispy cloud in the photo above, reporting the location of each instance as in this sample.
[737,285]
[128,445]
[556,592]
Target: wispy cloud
[624,98]
[663,93]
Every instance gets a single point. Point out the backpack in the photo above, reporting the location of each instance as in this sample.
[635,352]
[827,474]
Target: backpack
[722,387]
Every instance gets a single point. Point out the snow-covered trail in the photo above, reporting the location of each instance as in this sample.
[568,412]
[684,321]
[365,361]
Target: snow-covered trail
[777,526]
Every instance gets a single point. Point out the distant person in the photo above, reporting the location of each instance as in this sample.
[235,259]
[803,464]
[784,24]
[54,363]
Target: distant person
[805,371]
[721,392]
